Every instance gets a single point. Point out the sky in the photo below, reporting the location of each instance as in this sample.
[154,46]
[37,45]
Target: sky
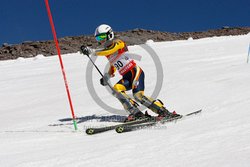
[27,20]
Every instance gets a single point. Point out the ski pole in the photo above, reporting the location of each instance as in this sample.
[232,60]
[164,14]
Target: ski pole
[118,95]
[99,72]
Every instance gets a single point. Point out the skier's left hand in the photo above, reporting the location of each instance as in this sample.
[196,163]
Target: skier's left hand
[104,80]
[135,84]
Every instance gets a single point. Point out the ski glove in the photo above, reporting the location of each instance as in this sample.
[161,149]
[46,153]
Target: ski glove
[104,79]
[86,50]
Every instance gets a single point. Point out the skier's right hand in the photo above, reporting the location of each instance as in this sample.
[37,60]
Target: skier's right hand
[86,50]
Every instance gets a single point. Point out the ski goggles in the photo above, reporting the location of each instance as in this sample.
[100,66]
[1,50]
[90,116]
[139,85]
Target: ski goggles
[101,37]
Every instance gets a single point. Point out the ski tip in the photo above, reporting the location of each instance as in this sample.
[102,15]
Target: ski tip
[194,113]
[90,131]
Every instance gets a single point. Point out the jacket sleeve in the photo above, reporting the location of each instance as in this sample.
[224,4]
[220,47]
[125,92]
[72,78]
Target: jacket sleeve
[105,52]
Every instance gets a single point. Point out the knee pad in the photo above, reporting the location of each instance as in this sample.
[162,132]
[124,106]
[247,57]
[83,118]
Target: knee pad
[119,87]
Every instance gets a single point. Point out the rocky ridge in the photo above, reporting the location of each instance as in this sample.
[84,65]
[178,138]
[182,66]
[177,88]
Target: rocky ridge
[131,37]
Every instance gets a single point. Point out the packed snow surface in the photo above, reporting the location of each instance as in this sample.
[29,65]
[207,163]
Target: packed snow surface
[209,74]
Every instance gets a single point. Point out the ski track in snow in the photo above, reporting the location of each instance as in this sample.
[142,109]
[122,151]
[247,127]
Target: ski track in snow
[209,73]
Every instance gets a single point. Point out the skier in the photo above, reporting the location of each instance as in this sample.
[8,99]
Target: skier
[132,75]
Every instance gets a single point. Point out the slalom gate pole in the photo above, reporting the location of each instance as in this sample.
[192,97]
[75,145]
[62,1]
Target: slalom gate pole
[61,62]
[248,53]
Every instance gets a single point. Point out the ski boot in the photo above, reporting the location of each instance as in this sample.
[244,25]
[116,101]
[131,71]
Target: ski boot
[129,105]
[135,116]
[139,115]
[135,113]
[157,106]
[163,113]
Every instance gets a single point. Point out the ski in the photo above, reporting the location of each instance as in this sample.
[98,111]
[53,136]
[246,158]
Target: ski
[153,122]
[91,131]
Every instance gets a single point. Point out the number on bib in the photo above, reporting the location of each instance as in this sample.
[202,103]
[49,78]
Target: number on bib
[118,65]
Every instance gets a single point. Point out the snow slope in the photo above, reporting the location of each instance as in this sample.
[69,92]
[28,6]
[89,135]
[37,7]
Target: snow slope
[210,73]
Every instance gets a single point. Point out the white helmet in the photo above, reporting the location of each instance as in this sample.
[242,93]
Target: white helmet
[104,33]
